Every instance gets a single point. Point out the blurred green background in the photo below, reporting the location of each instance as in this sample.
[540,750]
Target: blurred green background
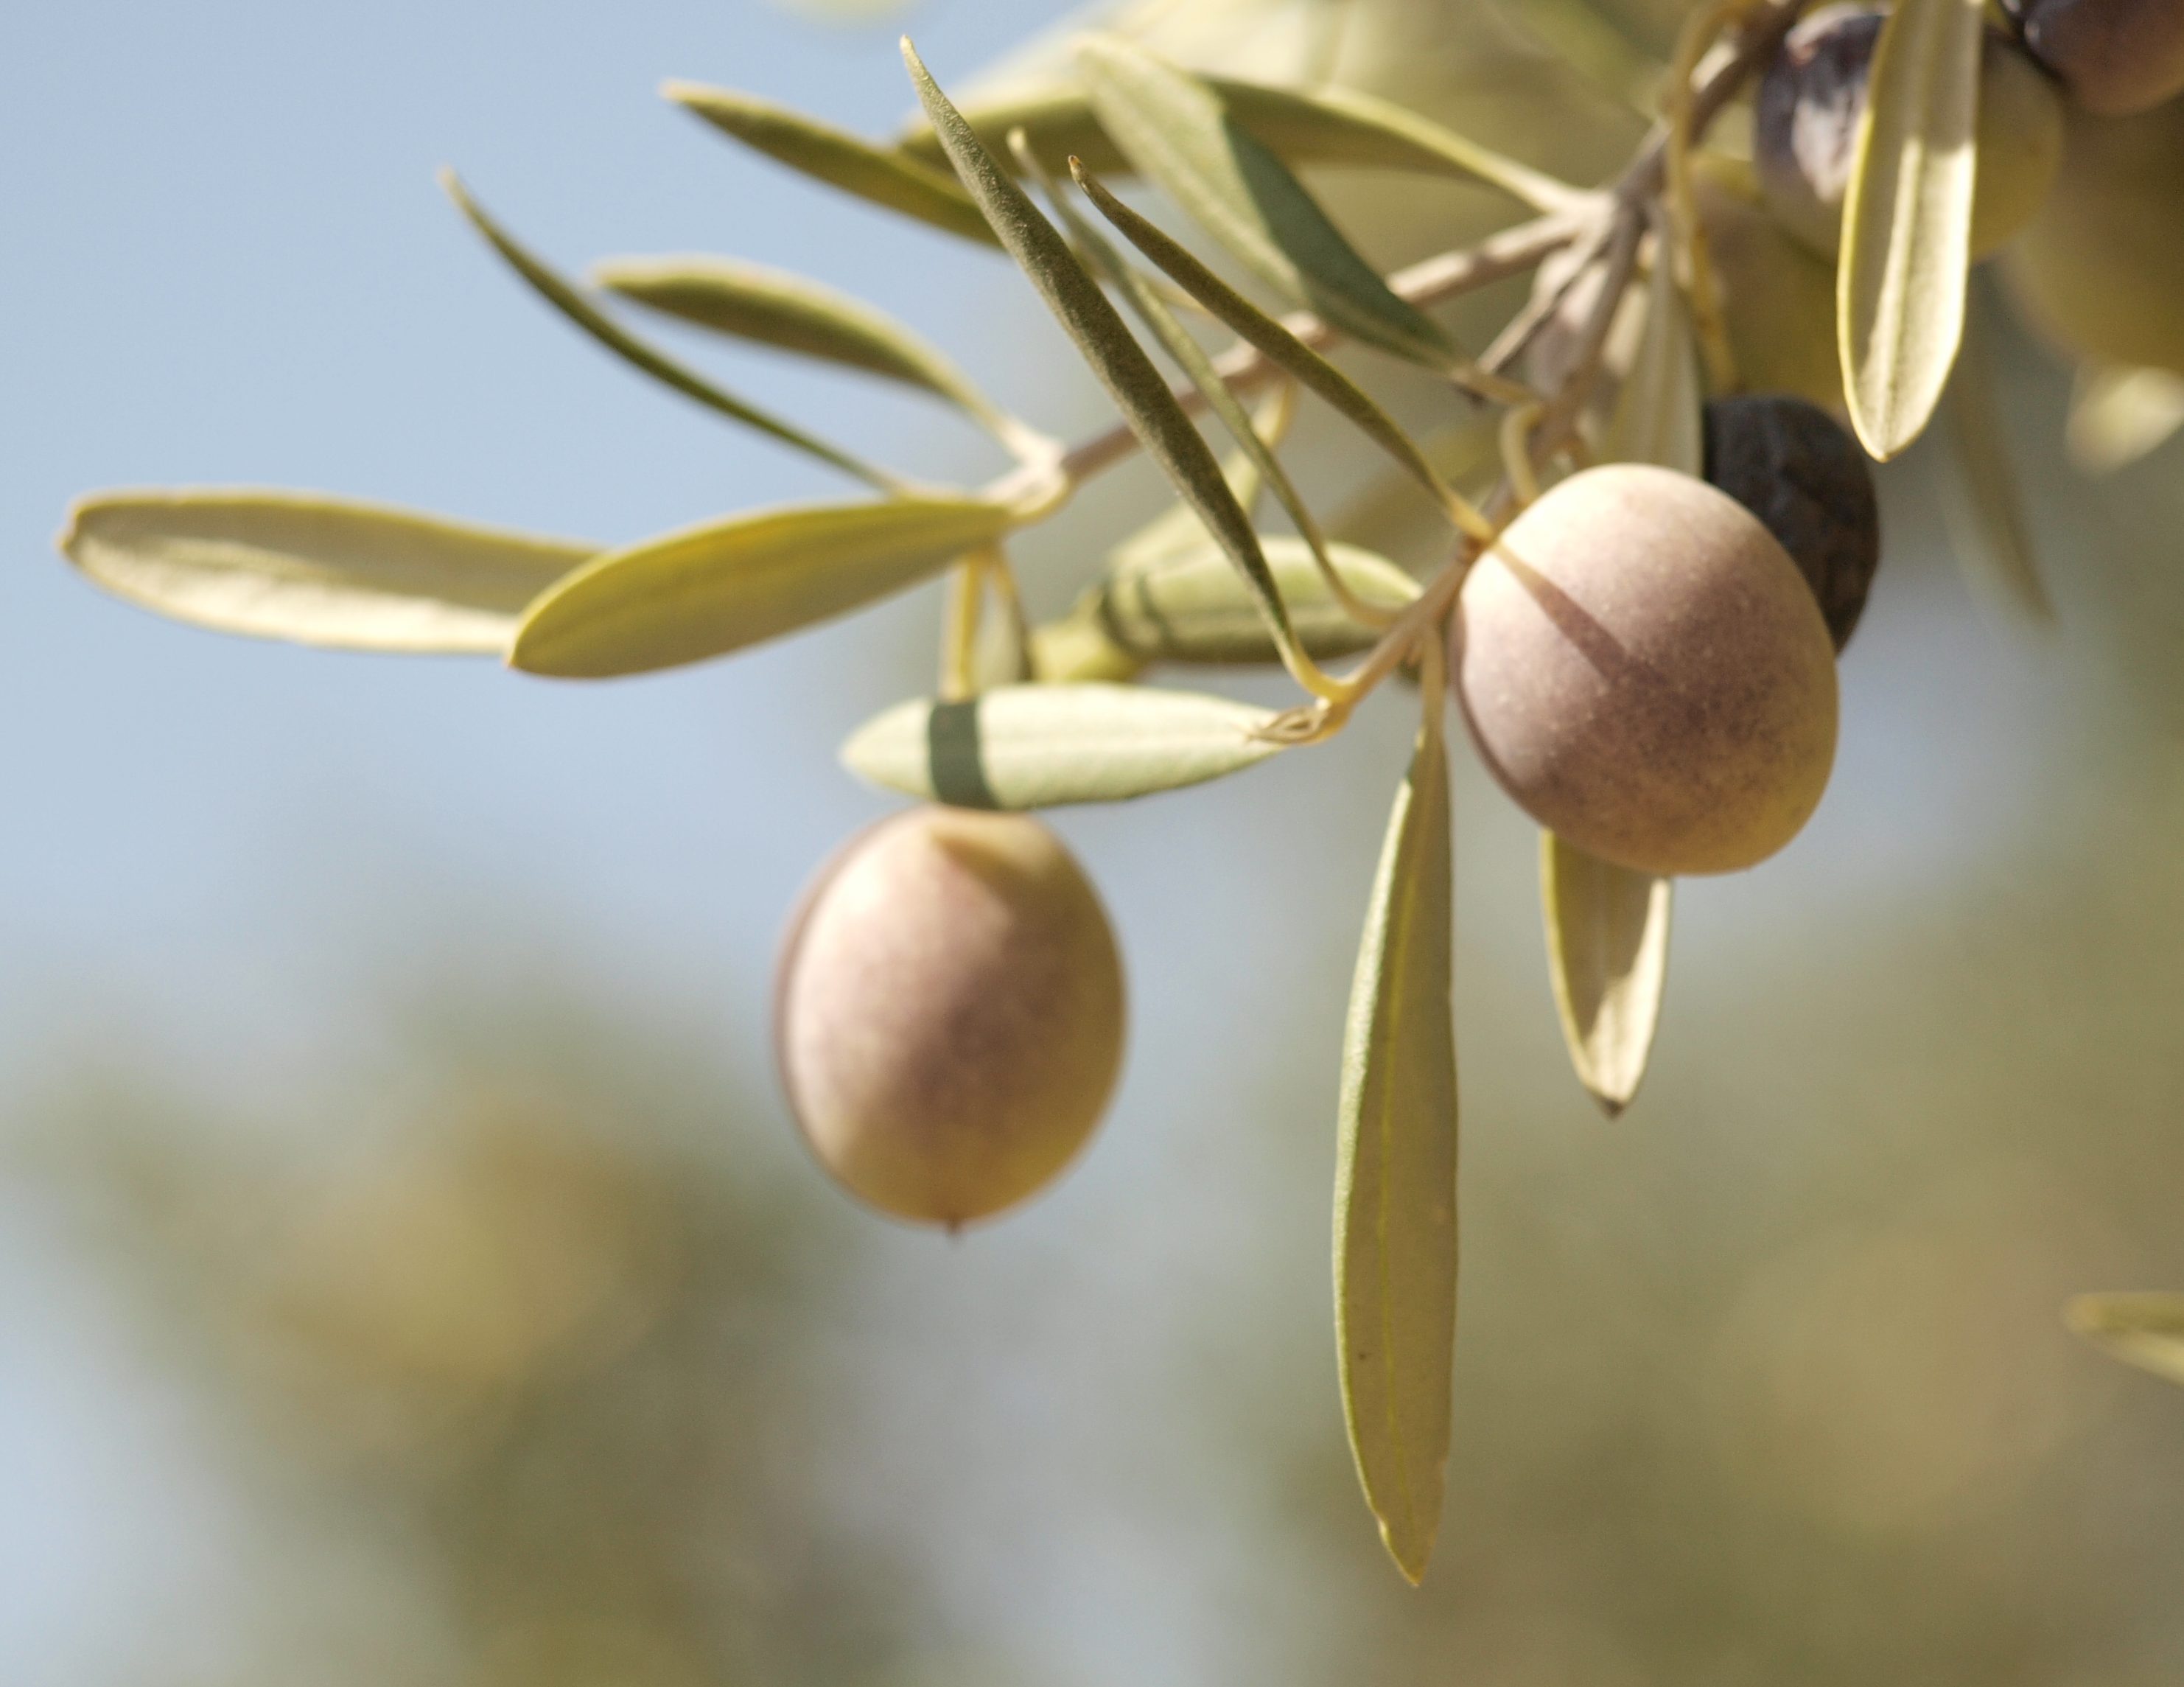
[407,1274]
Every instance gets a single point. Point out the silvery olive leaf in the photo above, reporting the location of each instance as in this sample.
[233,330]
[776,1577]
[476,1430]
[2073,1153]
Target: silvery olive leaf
[2145,1330]
[710,590]
[1906,222]
[1043,746]
[882,176]
[619,340]
[1607,958]
[315,570]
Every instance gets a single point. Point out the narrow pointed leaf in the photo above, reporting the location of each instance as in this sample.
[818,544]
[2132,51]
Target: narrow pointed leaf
[1659,413]
[1042,747]
[708,590]
[793,312]
[1191,607]
[1983,508]
[1105,342]
[1175,131]
[1607,956]
[2145,1330]
[1302,126]
[1191,358]
[882,176]
[315,570]
[1907,220]
[1268,337]
[2117,416]
[1395,1191]
[619,340]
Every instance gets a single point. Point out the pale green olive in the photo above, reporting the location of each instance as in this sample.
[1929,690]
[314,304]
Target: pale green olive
[1813,96]
[1647,673]
[2101,269]
[948,1012]
[1777,301]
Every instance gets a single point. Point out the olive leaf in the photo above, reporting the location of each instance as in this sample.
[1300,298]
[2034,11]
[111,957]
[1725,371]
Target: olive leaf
[1176,131]
[1659,415]
[1191,358]
[1041,746]
[2118,414]
[1980,502]
[1301,126]
[314,569]
[1395,1186]
[2145,1330]
[710,590]
[1270,338]
[1907,220]
[656,363]
[1188,606]
[794,312]
[1115,357]
[881,175]
[1607,956]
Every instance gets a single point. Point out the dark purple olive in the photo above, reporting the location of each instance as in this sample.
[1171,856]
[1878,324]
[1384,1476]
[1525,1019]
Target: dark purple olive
[2115,56]
[1790,464]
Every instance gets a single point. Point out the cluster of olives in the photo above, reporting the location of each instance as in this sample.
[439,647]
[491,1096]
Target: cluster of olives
[1645,660]
[2080,179]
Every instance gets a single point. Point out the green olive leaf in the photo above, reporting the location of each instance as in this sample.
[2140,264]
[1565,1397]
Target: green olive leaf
[2118,414]
[1177,132]
[1115,357]
[707,590]
[314,569]
[1191,358]
[882,176]
[2145,1330]
[1269,338]
[657,364]
[1659,415]
[1394,1186]
[1907,220]
[1981,504]
[1191,607]
[772,307]
[1042,747]
[1607,956]
[1301,126]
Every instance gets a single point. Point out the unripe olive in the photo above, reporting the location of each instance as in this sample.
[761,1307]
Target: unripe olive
[1791,465]
[1646,673]
[948,1012]
[1777,301]
[2101,269]
[1813,96]
[2115,56]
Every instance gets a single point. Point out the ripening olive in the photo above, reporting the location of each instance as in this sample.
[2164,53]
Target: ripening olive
[1777,301]
[2115,56]
[1646,673]
[1813,96]
[2101,269]
[1791,465]
[948,1012]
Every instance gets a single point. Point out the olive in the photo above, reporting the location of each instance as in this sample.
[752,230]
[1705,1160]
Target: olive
[1647,673]
[2101,269]
[1813,96]
[1778,301]
[2115,57]
[1792,466]
[948,1012]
